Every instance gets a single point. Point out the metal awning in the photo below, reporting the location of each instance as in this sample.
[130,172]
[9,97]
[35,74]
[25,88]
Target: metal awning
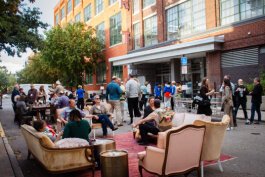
[171,51]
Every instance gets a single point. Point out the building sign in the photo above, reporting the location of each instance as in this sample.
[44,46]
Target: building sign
[184,61]
[184,69]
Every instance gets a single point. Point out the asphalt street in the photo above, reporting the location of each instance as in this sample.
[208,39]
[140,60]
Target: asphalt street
[246,143]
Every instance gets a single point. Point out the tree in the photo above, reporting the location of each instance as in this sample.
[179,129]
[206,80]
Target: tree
[19,27]
[7,80]
[38,71]
[68,48]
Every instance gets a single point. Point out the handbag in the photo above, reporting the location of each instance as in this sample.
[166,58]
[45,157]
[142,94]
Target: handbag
[201,101]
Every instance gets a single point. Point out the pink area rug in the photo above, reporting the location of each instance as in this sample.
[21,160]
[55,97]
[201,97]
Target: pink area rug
[126,142]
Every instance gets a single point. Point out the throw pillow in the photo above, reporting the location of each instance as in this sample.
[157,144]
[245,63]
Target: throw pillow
[46,141]
[71,143]
[178,119]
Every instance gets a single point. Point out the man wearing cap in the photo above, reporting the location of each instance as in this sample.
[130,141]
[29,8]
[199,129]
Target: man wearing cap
[80,97]
[58,87]
[113,93]
[63,100]
[32,94]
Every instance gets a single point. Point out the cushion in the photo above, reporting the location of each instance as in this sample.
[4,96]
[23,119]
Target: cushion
[141,155]
[178,119]
[46,142]
[189,118]
[71,143]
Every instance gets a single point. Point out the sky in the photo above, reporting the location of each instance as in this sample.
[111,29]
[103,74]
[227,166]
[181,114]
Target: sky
[14,64]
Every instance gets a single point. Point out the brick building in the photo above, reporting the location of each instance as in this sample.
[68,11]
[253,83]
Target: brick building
[108,17]
[216,36]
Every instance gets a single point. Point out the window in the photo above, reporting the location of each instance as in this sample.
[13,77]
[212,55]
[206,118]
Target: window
[99,6]
[87,13]
[62,13]
[89,77]
[185,18]
[136,35]
[101,73]
[237,10]
[135,6]
[150,31]
[117,71]
[69,6]
[112,2]
[76,2]
[57,19]
[78,17]
[147,3]
[100,31]
[115,29]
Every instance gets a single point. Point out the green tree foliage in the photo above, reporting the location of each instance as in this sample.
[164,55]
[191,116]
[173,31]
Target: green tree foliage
[19,27]
[38,71]
[66,49]
[7,80]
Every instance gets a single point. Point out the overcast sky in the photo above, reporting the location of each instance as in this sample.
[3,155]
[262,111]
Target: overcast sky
[14,64]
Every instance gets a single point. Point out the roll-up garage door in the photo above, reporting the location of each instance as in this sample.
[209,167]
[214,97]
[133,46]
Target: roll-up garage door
[242,57]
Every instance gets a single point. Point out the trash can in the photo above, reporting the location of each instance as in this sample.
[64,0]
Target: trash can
[114,163]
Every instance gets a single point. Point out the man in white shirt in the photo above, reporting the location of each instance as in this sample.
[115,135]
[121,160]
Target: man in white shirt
[132,94]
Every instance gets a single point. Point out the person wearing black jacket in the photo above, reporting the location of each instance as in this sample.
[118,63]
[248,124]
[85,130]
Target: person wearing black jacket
[15,92]
[241,93]
[256,100]
[205,93]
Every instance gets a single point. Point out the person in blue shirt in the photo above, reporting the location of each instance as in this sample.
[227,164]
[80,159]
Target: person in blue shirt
[80,97]
[113,93]
[157,91]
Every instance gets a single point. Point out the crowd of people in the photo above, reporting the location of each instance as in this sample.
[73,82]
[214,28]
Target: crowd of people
[68,108]
[233,96]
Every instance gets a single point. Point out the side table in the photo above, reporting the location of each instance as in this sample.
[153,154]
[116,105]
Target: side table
[114,163]
[101,145]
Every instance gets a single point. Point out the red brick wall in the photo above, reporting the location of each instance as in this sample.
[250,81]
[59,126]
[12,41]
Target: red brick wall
[213,65]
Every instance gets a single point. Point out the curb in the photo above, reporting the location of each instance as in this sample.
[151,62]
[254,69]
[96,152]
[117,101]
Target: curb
[10,153]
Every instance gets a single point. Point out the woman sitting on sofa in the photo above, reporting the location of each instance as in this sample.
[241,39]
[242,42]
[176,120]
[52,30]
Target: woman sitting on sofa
[41,126]
[163,122]
[76,127]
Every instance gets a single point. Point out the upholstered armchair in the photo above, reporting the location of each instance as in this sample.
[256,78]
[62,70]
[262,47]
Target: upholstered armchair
[181,154]
[95,126]
[213,140]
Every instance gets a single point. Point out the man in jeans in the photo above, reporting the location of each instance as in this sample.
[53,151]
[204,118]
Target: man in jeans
[132,94]
[256,100]
[80,97]
[113,93]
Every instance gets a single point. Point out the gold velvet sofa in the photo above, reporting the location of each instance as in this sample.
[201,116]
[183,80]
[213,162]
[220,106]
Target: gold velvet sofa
[57,160]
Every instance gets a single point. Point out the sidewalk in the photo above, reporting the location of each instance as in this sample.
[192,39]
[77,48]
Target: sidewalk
[9,166]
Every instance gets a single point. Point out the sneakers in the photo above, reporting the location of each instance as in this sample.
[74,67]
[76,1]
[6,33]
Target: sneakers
[247,122]
[115,128]
[256,122]
[230,128]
